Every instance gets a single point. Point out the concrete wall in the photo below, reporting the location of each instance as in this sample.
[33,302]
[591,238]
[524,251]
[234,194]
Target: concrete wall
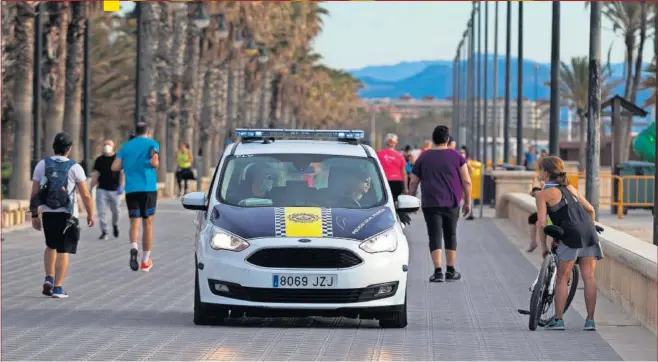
[628,273]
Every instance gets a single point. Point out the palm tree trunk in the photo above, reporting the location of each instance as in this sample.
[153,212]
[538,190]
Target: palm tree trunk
[205,129]
[74,76]
[19,183]
[582,149]
[264,102]
[637,78]
[178,53]
[191,129]
[162,83]
[150,18]
[275,100]
[234,93]
[221,116]
[188,97]
[242,94]
[55,69]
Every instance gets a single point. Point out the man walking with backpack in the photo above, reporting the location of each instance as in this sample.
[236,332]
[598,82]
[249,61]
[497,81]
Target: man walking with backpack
[55,185]
[139,160]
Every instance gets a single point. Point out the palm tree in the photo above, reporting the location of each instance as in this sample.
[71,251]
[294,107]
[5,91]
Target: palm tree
[179,28]
[629,19]
[54,68]
[74,75]
[188,96]
[162,84]
[574,89]
[22,100]
[650,83]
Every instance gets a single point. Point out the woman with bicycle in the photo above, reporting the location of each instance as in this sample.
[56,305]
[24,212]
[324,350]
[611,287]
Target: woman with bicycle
[569,210]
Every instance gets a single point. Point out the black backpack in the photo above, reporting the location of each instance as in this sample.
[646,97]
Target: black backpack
[579,229]
[54,187]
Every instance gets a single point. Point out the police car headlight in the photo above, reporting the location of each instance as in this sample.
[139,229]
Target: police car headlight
[223,241]
[386,241]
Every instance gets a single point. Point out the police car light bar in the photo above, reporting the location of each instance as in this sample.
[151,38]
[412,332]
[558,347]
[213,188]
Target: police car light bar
[266,133]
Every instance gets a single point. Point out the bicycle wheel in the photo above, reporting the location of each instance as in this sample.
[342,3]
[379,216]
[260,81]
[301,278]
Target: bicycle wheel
[573,286]
[537,298]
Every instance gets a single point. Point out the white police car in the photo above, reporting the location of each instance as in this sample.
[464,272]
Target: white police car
[300,227]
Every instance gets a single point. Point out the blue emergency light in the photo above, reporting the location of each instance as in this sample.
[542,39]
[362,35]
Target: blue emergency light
[299,134]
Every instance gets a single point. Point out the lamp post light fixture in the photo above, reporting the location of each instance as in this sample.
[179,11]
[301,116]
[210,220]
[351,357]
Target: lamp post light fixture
[201,18]
[222,28]
[251,49]
[176,5]
[238,39]
[263,57]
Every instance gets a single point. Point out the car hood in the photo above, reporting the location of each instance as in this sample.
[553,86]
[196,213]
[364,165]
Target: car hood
[309,222]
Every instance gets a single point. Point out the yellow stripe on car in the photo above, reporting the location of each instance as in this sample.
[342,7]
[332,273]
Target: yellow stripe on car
[303,222]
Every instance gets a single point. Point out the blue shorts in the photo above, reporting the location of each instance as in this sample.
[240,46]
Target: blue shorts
[141,204]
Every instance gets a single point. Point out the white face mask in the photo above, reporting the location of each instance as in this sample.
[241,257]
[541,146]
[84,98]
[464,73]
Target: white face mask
[108,149]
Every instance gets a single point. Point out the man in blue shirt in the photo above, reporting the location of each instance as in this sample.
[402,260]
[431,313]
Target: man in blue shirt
[139,160]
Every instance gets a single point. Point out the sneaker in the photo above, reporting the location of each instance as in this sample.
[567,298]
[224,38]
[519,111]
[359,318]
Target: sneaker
[48,286]
[437,277]
[147,265]
[134,264]
[453,275]
[556,325]
[115,231]
[589,325]
[103,236]
[58,292]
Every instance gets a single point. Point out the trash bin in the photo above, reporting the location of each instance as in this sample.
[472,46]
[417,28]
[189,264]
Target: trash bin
[635,190]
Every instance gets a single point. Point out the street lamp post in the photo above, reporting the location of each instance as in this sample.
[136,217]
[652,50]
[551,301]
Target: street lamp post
[508,69]
[485,142]
[471,70]
[535,125]
[519,92]
[478,117]
[138,63]
[554,124]
[494,105]
[86,96]
[36,86]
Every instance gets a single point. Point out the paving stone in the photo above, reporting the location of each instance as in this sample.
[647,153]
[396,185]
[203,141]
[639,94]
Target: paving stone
[114,313]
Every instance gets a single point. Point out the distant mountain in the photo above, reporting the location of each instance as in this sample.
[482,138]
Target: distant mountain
[434,78]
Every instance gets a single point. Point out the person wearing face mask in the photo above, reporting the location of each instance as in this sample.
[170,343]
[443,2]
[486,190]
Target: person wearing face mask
[110,187]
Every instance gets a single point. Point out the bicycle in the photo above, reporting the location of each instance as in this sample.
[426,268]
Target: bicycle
[543,288]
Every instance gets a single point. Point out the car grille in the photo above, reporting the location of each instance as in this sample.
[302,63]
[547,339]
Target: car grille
[304,258]
[275,295]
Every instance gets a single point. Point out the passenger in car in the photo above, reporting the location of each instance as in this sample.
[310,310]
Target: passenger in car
[258,182]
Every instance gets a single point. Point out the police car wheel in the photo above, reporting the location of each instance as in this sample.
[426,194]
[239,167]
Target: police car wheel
[396,319]
[204,315]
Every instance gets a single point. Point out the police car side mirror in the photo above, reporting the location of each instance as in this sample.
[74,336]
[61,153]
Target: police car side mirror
[407,203]
[195,201]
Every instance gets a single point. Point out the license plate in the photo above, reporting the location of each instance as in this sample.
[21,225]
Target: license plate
[304,281]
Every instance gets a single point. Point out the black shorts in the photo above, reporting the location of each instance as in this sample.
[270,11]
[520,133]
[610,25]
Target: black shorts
[141,204]
[54,225]
[441,227]
[396,188]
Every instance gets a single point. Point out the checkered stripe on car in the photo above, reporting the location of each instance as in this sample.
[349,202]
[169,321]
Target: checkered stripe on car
[279,222]
[327,224]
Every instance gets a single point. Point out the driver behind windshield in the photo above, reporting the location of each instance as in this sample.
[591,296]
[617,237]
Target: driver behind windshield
[259,179]
[356,186]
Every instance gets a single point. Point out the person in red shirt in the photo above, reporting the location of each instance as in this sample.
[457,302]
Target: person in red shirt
[394,166]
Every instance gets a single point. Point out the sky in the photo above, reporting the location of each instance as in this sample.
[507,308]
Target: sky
[357,34]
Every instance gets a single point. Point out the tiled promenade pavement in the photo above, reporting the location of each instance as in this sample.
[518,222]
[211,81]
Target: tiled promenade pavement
[114,313]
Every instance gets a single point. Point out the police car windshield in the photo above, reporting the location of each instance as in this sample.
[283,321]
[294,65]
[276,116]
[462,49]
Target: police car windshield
[298,180]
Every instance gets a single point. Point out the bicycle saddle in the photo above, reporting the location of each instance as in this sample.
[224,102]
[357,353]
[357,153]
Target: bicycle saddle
[554,231]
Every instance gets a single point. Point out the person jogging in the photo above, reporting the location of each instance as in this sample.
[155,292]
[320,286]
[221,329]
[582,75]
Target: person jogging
[394,165]
[184,171]
[444,178]
[139,160]
[56,183]
[110,187]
